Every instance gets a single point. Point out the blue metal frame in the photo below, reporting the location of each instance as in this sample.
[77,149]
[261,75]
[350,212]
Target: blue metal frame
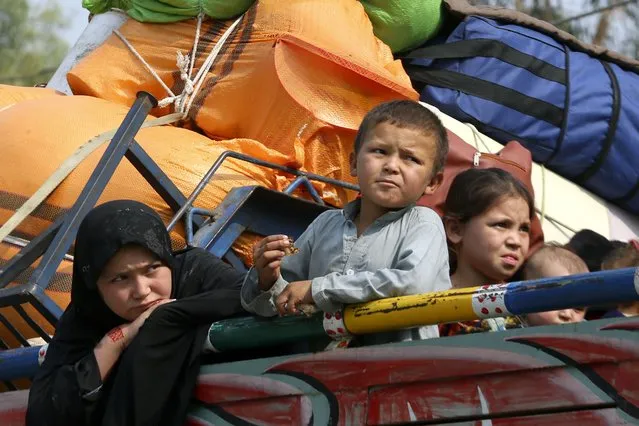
[251,208]
[93,189]
[239,156]
[303,180]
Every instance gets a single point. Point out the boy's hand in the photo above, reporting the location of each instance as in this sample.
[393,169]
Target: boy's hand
[294,294]
[267,257]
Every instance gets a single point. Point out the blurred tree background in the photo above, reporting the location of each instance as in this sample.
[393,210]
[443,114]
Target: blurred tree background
[31,47]
[615,26]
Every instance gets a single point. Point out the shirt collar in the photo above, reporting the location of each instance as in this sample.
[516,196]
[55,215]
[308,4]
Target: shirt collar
[351,210]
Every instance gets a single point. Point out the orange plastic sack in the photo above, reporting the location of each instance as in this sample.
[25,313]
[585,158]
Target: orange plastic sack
[10,95]
[296,76]
[31,154]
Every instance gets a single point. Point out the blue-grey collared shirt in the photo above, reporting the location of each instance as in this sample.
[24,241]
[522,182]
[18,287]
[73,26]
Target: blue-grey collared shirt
[403,252]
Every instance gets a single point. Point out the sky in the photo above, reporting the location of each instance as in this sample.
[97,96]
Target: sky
[78,17]
[75,13]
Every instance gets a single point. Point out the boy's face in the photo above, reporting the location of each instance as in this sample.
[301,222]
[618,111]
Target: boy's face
[394,166]
[563,316]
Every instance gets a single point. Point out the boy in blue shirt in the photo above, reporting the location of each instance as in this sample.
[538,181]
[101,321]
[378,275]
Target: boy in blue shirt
[381,245]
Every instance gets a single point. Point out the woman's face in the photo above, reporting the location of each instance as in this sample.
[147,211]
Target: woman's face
[495,243]
[133,280]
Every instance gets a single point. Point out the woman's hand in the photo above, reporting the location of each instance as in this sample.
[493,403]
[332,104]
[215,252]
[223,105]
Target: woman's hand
[108,350]
[124,334]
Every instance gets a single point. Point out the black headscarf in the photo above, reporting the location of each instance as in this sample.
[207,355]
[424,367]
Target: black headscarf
[105,230]
[154,378]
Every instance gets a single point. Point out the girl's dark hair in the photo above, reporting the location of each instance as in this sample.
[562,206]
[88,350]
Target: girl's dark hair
[592,247]
[475,190]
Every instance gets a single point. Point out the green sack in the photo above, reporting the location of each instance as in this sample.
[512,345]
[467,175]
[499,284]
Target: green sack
[163,11]
[404,24]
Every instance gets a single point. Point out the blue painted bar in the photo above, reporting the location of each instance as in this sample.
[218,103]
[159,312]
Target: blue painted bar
[596,288]
[18,363]
[599,288]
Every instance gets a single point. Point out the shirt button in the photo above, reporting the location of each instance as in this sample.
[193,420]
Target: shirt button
[350,272]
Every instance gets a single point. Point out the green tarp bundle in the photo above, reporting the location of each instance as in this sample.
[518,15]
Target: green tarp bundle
[401,24]
[163,11]
[404,24]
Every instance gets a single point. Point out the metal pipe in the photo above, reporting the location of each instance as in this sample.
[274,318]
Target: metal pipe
[21,242]
[18,363]
[517,298]
[607,287]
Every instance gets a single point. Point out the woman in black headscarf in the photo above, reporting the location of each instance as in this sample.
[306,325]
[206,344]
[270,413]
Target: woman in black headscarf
[110,361]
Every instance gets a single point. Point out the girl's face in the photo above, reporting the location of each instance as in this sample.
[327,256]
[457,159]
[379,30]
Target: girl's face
[495,243]
[133,280]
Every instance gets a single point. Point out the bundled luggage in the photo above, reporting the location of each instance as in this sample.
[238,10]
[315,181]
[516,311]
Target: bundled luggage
[576,112]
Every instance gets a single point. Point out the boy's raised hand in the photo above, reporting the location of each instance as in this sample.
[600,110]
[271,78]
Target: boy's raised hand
[267,258]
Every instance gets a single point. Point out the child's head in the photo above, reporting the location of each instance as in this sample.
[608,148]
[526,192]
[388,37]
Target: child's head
[487,215]
[591,247]
[400,150]
[626,256]
[554,261]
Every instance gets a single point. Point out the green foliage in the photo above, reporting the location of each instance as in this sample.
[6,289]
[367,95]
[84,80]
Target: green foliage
[30,47]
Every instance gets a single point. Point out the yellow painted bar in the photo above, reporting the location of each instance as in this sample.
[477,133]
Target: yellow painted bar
[411,311]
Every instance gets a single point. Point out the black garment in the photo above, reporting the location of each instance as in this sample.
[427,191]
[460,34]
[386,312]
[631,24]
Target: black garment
[152,382]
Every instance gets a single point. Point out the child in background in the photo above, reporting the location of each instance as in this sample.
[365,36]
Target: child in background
[626,256]
[487,217]
[378,246]
[592,247]
[553,261]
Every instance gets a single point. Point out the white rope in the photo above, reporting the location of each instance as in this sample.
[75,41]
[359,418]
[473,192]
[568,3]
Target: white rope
[185,65]
[146,65]
[478,137]
[196,42]
[543,194]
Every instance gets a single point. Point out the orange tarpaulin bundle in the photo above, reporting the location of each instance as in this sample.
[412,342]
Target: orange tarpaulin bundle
[296,76]
[32,153]
[10,95]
